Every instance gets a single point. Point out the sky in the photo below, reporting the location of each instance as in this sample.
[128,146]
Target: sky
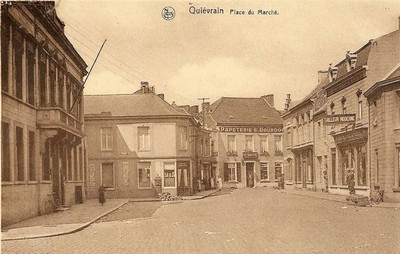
[215,55]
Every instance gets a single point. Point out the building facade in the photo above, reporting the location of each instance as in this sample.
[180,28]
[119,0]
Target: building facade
[338,115]
[246,140]
[139,145]
[42,148]
[384,125]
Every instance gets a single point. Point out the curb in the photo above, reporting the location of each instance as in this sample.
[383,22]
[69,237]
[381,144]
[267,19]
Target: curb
[85,225]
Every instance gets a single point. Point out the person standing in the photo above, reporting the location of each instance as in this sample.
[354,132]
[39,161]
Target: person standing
[326,181]
[102,195]
[219,182]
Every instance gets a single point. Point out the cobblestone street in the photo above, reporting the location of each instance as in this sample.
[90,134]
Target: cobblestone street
[245,221]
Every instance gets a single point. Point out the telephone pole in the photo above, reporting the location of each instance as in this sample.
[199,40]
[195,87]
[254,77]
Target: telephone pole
[202,105]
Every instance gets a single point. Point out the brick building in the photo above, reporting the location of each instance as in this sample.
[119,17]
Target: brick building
[134,139]
[246,140]
[42,149]
[337,115]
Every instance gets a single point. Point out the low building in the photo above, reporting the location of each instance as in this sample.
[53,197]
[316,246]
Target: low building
[138,145]
[384,135]
[246,140]
[41,78]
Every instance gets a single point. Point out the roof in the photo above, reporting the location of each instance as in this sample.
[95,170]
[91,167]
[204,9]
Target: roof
[148,104]
[234,110]
[393,77]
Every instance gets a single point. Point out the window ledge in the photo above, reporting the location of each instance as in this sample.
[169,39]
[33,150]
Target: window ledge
[46,181]
[396,189]
[106,150]
[109,188]
[265,181]
[32,182]
[6,183]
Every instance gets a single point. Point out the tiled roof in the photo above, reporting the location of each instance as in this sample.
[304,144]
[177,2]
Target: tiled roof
[231,110]
[148,104]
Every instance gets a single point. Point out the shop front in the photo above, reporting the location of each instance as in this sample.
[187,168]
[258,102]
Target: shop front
[304,170]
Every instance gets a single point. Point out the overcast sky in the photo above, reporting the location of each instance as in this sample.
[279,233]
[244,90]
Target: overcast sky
[201,55]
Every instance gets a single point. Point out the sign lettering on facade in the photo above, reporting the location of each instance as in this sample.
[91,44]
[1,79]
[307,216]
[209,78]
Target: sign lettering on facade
[251,129]
[338,119]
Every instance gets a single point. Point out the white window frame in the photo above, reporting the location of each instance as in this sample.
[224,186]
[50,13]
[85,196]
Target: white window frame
[113,173]
[280,146]
[234,143]
[138,170]
[142,138]
[108,139]
[183,137]
[268,173]
[230,171]
[251,148]
[261,144]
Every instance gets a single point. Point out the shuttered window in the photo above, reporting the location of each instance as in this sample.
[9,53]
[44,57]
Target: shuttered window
[232,172]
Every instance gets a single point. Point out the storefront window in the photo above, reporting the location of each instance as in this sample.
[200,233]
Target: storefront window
[278,169]
[264,171]
[169,174]
[144,175]
[183,175]
[362,165]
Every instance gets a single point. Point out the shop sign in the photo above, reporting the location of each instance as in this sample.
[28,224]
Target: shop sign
[250,155]
[338,119]
[251,129]
[183,164]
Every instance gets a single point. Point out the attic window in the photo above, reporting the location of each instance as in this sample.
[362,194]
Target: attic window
[333,70]
[351,60]
[231,117]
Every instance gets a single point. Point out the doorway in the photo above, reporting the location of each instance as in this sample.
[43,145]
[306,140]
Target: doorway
[250,174]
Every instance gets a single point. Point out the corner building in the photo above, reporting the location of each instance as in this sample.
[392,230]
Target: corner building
[139,145]
[246,138]
[42,136]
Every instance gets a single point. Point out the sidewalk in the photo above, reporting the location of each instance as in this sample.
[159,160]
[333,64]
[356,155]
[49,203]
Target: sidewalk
[76,218]
[334,197]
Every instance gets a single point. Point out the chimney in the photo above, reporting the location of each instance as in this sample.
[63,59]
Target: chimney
[144,85]
[194,110]
[269,98]
[322,75]
[186,108]
[161,95]
[288,101]
[206,107]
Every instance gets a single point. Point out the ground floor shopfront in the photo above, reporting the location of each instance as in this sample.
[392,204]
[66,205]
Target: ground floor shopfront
[140,178]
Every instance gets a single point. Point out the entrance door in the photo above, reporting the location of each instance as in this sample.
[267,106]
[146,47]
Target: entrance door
[183,178]
[304,173]
[250,174]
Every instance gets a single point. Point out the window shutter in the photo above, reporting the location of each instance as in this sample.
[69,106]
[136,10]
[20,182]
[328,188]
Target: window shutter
[238,172]
[226,172]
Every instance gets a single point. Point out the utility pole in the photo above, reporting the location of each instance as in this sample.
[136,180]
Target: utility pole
[202,105]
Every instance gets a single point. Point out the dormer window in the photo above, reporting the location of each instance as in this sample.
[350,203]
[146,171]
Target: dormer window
[332,108]
[333,70]
[351,60]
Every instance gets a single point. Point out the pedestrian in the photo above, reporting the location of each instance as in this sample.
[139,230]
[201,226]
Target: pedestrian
[326,181]
[219,182]
[351,181]
[282,181]
[195,184]
[102,195]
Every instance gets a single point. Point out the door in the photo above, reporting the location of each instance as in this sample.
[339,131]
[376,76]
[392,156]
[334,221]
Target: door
[250,174]
[183,178]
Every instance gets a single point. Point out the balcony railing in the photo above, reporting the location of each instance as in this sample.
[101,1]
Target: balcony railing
[56,117]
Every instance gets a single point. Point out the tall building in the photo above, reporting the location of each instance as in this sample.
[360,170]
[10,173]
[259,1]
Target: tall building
[41,76]
[246,140]
[138,144]
[337,125]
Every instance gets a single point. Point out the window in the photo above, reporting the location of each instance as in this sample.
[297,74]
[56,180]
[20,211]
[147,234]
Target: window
[81,164]
[231,143]
[52,85]
[31,156]
[42,78]
[398,165]
[183,139]
[144,138]
[278,169]
[278,144]
[333,154]
[144,175]
[76,165]
[18,55]
[107,175]
[332,108]
[19,135]
[69,90]
[344,107]
[46,160]
[362,165]
[69,162]
[360,108]
[289,137]
[374,112]
[30,61]
[264,144]
[5,42]
[106,139]
[249,143]
[61,89]
[264,171]
[169,174]
[5,152]
[232,172]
